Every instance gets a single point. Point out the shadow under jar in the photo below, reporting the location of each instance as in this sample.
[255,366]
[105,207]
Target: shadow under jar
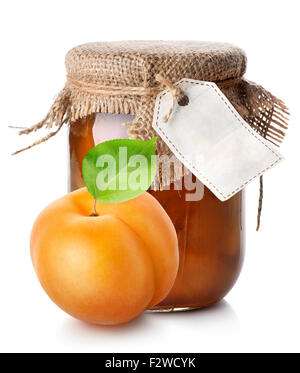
[210,232]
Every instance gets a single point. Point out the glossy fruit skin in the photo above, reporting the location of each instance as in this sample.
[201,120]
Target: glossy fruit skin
[104,269]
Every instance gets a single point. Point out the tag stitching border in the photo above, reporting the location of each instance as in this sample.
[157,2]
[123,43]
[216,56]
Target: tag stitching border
[216,90]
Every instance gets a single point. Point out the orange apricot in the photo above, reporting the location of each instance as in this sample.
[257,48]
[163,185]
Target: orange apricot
[105,269]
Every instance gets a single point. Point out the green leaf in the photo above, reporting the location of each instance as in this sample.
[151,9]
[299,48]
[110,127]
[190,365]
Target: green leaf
[119,170]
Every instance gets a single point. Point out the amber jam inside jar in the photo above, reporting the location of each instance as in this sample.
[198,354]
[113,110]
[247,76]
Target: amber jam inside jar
[210,232]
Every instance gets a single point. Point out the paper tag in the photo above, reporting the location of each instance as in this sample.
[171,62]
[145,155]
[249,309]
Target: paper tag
[212,140]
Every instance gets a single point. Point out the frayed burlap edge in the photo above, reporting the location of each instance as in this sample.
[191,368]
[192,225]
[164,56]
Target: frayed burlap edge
[264,112]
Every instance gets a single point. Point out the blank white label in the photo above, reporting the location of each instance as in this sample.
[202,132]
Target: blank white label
[212,140]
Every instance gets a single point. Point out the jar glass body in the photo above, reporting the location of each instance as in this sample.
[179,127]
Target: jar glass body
[210,232]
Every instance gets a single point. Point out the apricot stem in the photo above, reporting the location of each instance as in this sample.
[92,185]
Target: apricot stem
[95,213]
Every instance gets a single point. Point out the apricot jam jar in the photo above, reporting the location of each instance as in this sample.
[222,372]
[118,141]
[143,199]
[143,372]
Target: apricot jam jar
[110,92]
[210,232]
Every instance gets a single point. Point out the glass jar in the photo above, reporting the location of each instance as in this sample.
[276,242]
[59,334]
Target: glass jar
[127,77]
[210,232]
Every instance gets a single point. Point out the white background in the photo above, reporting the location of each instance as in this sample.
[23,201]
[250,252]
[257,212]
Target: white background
[261,313]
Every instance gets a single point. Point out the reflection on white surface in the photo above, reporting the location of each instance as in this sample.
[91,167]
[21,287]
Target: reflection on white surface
[110,127]
[177,328]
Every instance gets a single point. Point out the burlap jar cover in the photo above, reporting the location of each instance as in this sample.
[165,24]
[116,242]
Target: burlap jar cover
[125,77]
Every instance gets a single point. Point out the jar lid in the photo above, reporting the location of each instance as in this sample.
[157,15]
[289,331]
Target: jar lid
[136,63]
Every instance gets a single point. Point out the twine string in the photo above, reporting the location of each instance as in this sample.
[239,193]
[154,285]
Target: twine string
[177,95]
[97,89]
[260,201]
